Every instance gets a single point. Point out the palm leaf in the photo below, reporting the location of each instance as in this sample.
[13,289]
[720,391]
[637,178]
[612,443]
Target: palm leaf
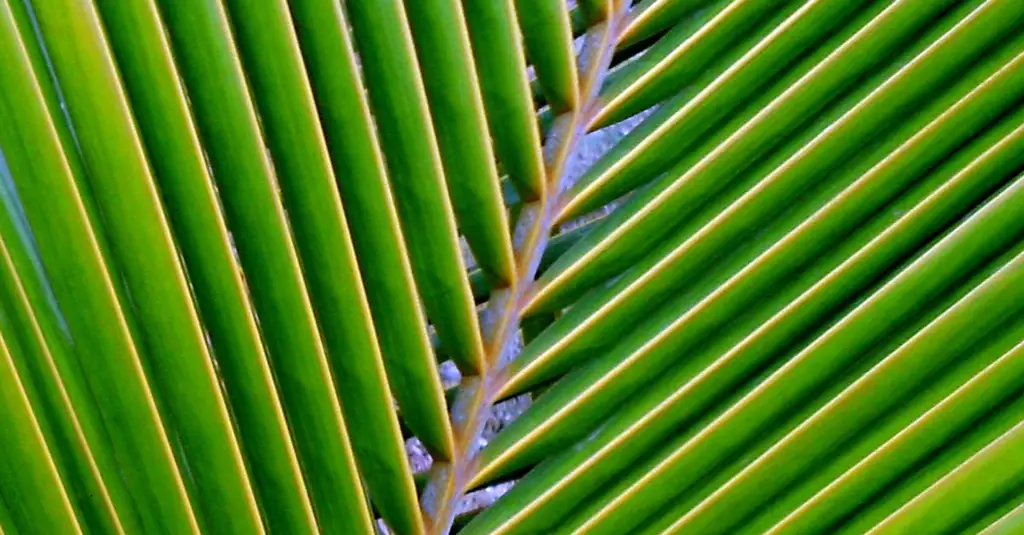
[744,266]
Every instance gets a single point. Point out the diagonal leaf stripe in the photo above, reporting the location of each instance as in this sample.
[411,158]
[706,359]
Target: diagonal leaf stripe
[945,383]
[456,104]
[193,208]
[716,309]
[967,403]
[228,126]
[122,183]
[682,55]
[875,392]
[635,163]
[547,35]
[723,164]
[928,274]
[66,405]
[359,170]
[37,494]
[650,16]
[687,153]
[398,98]
[698,267]
[954,196]
[1007,524]
[284,97]
[687,252]
[501,64]
[74,255]
[989,471]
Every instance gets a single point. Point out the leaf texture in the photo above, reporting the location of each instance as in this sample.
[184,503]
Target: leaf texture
[744,266]
[189,192]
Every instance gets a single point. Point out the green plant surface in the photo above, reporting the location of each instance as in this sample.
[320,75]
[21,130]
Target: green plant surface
[511,267]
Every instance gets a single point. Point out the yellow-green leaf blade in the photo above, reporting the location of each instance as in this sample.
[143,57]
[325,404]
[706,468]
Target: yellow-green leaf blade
[29,481]
[501,66]
[398,100]
[995,469]
[204,48]
[648,17]
[684,55]
[888,385]
[1011,522]
[456,103]
[68,410]
[951,416]
[668,134]
[74,256]
[597,257]
[698,245]
[273,62]
[547,35]
[981,236]
[597,389]
[140,238]
[362,179]
[161,109]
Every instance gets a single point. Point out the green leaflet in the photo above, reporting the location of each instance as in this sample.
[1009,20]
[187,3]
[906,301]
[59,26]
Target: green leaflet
[648,17]
[281,90]
[606,250]
[228,127]
[957,196]
[644,154]
[457,108]
[165,122]
[501,64]
[684,54]
[122,183]
[928,431]
[698,245]
[882,389]
[69,418]
[399,102]
[383,258]
[33,488]
[989,472]
[783,297]
[547,35]
[74,255]
[798,377]
[1008,523]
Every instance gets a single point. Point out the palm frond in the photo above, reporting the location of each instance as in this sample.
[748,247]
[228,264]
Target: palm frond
[745,266]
